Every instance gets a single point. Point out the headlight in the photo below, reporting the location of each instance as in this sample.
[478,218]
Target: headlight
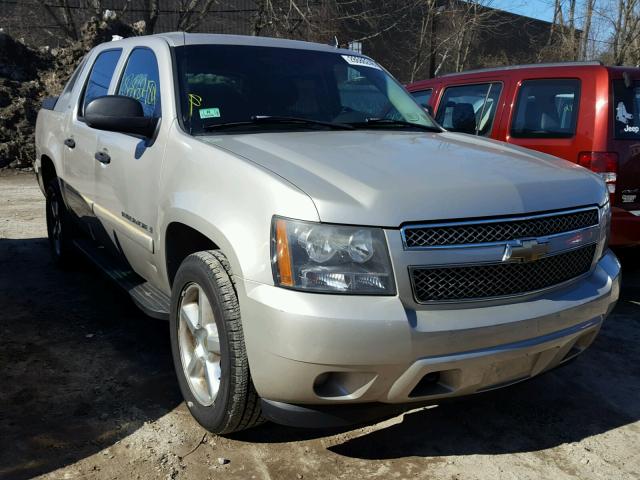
[330,258]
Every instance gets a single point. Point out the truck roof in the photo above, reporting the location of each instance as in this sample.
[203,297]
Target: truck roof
[526,66]
[178,39]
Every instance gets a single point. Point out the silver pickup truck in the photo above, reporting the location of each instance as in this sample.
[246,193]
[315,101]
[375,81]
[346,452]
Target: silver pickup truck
[325,253]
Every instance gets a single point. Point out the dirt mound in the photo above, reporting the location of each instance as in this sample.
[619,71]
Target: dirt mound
[20,95]
[28,75]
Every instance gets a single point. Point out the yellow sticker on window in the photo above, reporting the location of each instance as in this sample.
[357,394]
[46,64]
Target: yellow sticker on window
[194,101]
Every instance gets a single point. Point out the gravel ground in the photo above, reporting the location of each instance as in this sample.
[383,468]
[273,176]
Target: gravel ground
[87,390]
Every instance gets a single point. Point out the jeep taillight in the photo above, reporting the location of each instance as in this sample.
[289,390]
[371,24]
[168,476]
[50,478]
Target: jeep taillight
[604,164]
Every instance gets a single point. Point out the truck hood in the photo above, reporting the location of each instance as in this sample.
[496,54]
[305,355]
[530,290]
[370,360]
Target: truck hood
[388,178]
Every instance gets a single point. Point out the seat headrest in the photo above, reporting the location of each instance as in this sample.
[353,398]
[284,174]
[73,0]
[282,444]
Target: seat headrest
[463,118]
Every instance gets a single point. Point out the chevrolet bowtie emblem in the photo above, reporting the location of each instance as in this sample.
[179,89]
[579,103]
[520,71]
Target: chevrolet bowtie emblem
[525,251]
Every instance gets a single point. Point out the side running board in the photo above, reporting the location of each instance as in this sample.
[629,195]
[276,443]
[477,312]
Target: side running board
[148,298]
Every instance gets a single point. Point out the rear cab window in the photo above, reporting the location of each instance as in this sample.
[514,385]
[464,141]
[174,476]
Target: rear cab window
[65,96]
[100,77]
[469,108]
[546,108]
[626,110]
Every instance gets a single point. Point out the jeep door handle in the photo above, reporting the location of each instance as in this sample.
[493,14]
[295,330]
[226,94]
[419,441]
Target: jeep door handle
[70,142]
[103,158]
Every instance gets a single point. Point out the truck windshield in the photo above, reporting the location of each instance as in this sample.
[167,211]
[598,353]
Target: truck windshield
[626,110]
[235,85]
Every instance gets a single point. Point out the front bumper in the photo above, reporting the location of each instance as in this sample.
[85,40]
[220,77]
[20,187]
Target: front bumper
[312,349]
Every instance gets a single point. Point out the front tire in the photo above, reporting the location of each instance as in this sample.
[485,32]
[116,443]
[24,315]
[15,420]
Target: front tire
[208,346]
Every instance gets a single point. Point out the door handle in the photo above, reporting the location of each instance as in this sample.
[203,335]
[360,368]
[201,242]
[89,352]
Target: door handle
[70,142]
[103,157]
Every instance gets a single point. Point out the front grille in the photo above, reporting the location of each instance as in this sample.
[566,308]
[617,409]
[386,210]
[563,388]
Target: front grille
[474,282]
[498,231]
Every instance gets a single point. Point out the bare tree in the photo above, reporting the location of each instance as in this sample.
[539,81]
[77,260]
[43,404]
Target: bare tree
[564,41]
[60,12]
[471,20]
[292,18]
[443,34]
[583,52]
[152,10]
[573,39]
[191,13]
[623,18]
[557,19]
[626,35]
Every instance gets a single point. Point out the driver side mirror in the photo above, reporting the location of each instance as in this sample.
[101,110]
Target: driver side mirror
[117,113]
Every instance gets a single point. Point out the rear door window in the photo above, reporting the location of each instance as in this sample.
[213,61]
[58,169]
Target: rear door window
[469,108]
[141,80]
[423,97]
[65,96]
[100,77]
[546,108]
[626,110]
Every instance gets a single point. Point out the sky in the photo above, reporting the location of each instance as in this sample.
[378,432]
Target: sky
[540,9]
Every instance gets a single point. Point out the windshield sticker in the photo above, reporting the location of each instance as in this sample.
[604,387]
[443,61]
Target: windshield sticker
[194,101]
[622,115]
[360,61]
[209,113]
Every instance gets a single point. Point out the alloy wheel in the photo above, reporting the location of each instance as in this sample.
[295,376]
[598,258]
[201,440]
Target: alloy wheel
[199,344]
[55,224]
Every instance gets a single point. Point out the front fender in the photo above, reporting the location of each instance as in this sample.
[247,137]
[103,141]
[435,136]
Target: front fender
[228,199]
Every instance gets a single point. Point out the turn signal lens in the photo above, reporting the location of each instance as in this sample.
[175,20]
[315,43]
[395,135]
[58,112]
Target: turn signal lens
[282,254]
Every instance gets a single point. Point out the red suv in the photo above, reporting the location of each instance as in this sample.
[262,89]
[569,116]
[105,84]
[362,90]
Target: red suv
[583,112]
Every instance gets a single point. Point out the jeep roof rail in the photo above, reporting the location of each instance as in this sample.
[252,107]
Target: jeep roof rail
[528,65]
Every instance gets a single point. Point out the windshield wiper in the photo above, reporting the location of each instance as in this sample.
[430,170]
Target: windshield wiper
[394,123]
[280,120]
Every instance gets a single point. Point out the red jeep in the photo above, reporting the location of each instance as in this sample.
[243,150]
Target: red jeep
[586,113]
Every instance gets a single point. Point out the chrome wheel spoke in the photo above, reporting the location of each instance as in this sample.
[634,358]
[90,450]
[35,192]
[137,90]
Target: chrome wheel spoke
[212,378]
[194,366]
[190,315]
[199,344]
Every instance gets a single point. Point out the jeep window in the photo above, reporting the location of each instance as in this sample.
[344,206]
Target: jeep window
[227,84]
[469,108]
[422,97]
[141,80]
[100,77]
[626,110]
[546,109]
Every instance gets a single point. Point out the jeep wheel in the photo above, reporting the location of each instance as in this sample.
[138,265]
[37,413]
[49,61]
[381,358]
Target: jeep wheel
[208,346]
[59,227]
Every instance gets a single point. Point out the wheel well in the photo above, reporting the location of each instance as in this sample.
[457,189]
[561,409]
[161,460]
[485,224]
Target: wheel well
[48,170]
[181,241]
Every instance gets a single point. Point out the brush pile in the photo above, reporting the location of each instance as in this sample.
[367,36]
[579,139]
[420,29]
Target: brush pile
[28,75]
